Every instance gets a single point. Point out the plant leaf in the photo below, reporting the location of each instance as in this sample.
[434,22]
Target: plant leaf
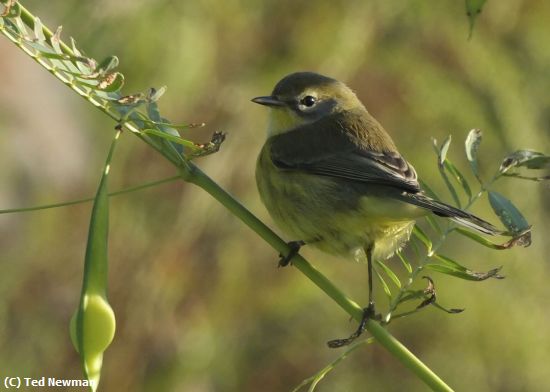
[473,9]
[441,157]
[411,295]
[56,40]
[433,223]
[38,30]
[442,154]
[316,378]
[154,94]
[509,215]
[403,259]
[428,190]
[172,138]
[472,145]
[423,237]
[459,178]
[384,284]
[107,65]
[467,275]
[525,158]
[390,273]
[521,239]
[111,82]
[454,264]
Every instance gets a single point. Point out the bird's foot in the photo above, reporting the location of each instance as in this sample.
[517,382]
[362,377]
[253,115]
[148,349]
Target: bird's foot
[368,314]
[294,249]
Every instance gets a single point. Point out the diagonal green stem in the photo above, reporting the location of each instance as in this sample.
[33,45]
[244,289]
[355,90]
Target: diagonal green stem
[197,177]
[191,173]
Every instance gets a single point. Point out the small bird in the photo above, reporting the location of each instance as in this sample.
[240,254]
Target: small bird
[331,176]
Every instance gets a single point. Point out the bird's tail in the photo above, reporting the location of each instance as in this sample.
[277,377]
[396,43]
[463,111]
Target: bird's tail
[461,217]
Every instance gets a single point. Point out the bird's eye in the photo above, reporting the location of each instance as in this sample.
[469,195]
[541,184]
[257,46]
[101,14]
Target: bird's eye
[308,101]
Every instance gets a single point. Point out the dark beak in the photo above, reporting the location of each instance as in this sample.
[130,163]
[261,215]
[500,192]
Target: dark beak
[268,101]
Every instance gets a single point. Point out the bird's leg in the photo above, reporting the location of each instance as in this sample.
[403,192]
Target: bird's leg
[369,309]
[294,249]
[368,312]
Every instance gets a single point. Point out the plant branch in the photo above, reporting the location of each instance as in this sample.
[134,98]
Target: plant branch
[191,173]
[88,199]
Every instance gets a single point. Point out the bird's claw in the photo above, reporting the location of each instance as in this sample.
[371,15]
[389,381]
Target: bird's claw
[368,314]
[294,249]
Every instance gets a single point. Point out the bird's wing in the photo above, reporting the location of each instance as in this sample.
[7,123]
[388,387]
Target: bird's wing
[326,152]
[335,155]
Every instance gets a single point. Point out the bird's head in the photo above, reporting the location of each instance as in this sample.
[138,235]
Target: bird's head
[305,97]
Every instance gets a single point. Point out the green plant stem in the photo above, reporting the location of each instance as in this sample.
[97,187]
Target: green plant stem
[407,358]
[88,199]
[193,174]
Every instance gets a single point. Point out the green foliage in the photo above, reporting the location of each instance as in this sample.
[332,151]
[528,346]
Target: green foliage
[100,84]
[430,259]
[490,97]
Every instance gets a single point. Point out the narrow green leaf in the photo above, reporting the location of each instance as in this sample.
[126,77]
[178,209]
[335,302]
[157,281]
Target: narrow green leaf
[509,215]
[153,112]
[172,138]
[433,223]
[108,64]
[412,295]
[38,30]
[428,190]
[442,155]
[20,26]
[473,9]
[384,284]
[458,267]
[467,275]
[458,177]
[535,178]
[423,237]
[522,239]
[472,145]
[450,262]
[56,40]
[415,245]
[316,378]
[390,273]
[450,186]
[175,126]
[405,262]
[75,48]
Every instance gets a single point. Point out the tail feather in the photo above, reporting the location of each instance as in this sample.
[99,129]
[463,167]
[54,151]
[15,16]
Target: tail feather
[461,217]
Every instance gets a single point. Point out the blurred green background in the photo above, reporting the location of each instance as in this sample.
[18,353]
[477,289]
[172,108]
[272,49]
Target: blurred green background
[199,301]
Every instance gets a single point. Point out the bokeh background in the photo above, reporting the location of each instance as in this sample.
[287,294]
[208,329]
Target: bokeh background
[199,301]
